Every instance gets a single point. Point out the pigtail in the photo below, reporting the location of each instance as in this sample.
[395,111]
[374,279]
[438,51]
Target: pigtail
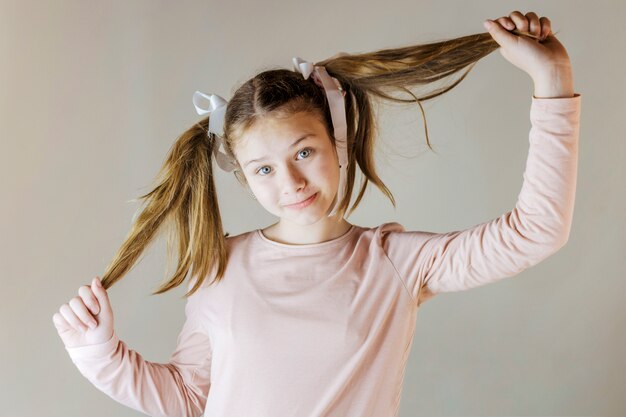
[185,203]
[384,72]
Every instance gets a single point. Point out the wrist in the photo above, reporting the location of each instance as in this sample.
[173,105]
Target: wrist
[557,82]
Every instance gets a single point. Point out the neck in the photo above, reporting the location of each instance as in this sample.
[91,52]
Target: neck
[324,230]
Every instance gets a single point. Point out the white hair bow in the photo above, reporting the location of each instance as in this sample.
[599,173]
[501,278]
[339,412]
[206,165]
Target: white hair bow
[217,109]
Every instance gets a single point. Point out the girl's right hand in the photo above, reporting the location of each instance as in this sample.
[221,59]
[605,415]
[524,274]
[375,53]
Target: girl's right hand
[91,306]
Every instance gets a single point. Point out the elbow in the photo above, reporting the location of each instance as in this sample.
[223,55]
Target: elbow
[563,237]
[559,241]
[554,235]
[546,245]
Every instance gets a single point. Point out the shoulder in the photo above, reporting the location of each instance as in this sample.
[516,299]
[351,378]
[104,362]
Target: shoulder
[393,237]
[383,230]
[378,235]
[235,241]
[235,246]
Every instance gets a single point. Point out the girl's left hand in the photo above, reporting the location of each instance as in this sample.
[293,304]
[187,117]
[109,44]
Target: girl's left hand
[527,42]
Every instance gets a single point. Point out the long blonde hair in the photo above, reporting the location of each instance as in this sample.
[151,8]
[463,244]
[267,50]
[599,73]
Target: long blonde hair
[184,195]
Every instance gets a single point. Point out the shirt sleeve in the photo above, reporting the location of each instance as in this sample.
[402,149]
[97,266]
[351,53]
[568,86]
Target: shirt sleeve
[537,227]
[178,388]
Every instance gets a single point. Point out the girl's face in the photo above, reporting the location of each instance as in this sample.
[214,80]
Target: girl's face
[286,161]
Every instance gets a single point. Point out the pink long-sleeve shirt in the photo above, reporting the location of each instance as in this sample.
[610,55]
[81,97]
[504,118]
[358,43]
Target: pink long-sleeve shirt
[326,329]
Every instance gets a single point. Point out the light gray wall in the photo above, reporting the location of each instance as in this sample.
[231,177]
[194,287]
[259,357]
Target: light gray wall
[93,94]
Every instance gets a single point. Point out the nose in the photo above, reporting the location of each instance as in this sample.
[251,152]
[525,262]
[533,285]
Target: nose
[293,180]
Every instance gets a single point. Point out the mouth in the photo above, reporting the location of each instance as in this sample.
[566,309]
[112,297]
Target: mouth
[303,203]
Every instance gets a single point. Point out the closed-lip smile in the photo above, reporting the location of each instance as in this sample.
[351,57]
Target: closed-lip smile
[304,202]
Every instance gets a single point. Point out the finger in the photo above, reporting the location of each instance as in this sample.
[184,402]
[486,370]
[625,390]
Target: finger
[60,323]
[546,27]
[534,27]
[521,23]
[70,317]
[506,22]
[502,36]
[101,294]
[89,299]
[80,309]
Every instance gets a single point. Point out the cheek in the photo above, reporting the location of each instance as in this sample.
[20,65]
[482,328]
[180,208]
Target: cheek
[263,191]
[329,165]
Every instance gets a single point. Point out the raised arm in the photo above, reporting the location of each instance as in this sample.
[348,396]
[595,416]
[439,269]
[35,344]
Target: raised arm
[536,228]
[539,224]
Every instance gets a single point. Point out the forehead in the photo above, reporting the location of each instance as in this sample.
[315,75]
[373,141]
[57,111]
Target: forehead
[275,134]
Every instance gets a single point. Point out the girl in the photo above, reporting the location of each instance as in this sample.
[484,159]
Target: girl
[312,315]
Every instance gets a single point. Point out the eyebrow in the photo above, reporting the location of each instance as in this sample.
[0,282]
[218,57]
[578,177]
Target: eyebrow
[291,146]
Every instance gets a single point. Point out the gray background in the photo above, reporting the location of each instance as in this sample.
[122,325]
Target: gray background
[94,93]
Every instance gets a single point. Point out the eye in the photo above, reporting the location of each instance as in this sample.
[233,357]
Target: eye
[305,150]
[309,151]
[259,170]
